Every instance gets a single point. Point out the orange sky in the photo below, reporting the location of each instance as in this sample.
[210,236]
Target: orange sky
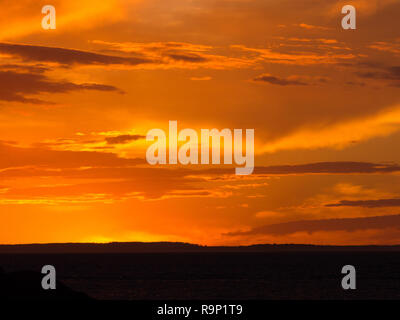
[77,102]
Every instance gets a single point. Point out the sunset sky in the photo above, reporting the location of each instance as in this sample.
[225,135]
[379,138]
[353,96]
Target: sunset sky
[76,104]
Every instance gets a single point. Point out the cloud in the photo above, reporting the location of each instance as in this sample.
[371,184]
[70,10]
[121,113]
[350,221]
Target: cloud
[66,57]
[338,135]
[312,27]
[30,68]
[12,156]
[386,73]
[41,157]
[83,176]
[187,57]
[339,167]
[312,54]
[124,138]
[376,71]
[177,54]
[379,203]
[355,83]
[279,81]
[18,86]
[100,181]
[345,167]
[79,176]
[146,55]
[391,47]
[311,226]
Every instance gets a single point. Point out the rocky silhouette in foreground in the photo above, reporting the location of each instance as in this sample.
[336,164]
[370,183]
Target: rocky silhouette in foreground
[26,285]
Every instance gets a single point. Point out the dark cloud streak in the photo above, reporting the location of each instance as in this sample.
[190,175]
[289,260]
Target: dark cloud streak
[124,138]
[327,225]
[17,86]
[279,81]
[379,203]
[329,168]
[64,56]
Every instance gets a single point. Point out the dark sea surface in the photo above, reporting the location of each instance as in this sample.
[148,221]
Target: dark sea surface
[280,275]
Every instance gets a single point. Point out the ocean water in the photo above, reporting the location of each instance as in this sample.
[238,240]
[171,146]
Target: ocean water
[284,275]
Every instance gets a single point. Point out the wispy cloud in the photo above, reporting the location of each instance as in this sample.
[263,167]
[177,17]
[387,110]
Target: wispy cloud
[379,203]
[20,86]
[311,226]
[124,138]
[66,57]
[291,81]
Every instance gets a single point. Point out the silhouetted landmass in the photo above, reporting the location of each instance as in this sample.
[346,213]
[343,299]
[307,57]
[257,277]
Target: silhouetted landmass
[178,247]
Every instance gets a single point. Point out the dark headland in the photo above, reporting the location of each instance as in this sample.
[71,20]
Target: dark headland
[178,247]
